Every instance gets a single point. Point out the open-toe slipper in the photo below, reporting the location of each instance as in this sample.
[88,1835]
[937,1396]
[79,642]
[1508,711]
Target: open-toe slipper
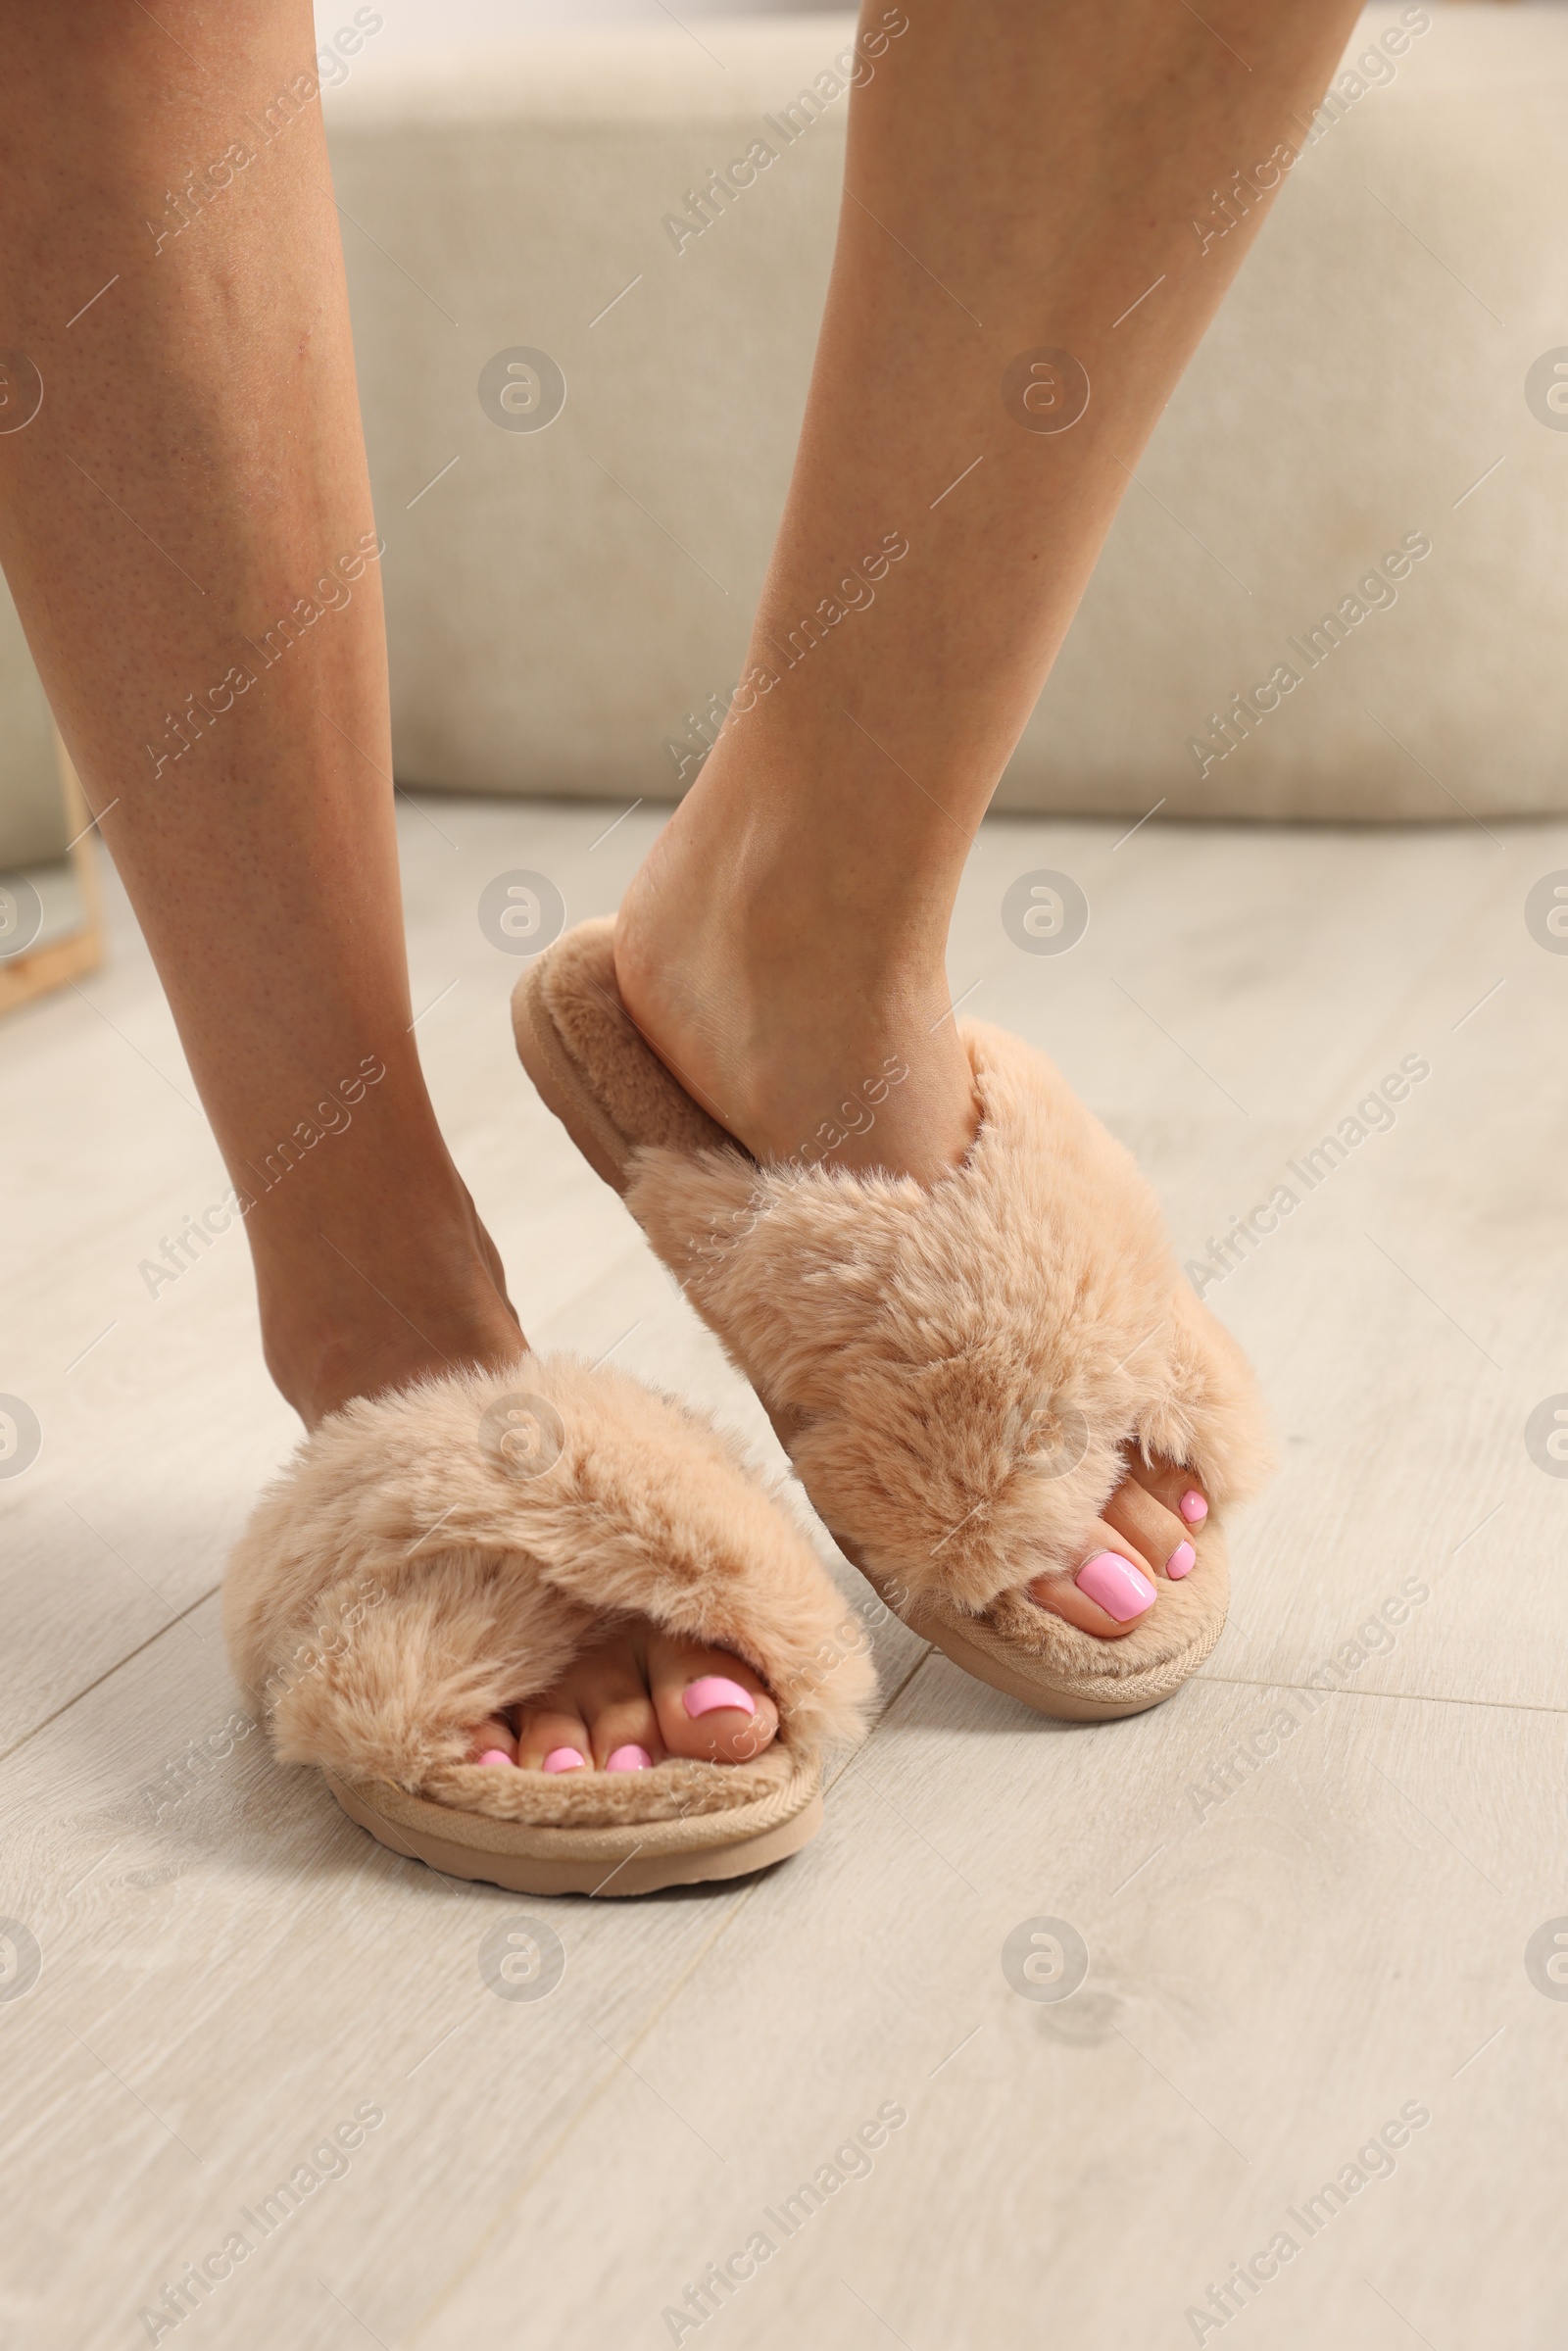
[434,1556]
[959,1373]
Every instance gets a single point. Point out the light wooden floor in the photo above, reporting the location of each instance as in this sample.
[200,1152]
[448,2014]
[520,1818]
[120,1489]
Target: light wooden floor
[1274,1974]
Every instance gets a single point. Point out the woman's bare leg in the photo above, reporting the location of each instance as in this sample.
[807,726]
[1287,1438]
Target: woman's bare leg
[1019,173]
[185,524]
[195,474]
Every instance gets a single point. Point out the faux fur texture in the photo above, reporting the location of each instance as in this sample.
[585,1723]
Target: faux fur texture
[401,1580]
[633,1090]
[959,1368]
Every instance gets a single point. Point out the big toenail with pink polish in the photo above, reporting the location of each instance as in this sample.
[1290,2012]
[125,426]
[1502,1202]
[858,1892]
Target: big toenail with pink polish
[1194,1508]
[712,1693]
[629,1760]
[1182,1561]
[565,1759]
[496,1755]
[1113,1584]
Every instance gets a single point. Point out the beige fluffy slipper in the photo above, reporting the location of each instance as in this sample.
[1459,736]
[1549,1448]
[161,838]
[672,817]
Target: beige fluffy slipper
[954,1372]
[434,1556]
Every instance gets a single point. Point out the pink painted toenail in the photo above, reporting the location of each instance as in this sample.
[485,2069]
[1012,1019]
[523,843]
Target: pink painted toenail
[1182,1561]
[565,1759]
[630,1759]
[713,1693]
[1115,1585]
[1194,1508]
[496,1755]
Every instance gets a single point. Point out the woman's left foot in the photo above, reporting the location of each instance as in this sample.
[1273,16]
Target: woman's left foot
[763,1016]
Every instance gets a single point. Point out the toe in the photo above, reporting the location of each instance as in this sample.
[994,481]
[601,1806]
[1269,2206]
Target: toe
[710,1703]
[1155,1531]
[492,1741]
[551,1737]
[608,1691]
[1110,1591]
[1178,1491]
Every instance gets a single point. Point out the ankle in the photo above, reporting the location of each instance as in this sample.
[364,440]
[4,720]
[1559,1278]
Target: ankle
[801,1013]
[349,1313]
[321,1366]
[780,907]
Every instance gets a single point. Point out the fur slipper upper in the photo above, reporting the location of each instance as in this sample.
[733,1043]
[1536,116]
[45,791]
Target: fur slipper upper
[435,1555]
[958,1371]
[962,1366]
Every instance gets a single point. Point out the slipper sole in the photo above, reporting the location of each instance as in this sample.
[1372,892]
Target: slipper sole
[529,1859]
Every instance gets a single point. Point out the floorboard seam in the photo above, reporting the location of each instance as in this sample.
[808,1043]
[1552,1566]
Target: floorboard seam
[107,1674]
[1428,1697]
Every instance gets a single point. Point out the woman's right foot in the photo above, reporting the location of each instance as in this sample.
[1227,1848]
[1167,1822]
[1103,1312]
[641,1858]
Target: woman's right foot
[631,1700]
[342,1322]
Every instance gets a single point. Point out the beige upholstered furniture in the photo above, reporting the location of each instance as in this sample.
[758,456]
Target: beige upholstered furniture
[570,599]
[50,928]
